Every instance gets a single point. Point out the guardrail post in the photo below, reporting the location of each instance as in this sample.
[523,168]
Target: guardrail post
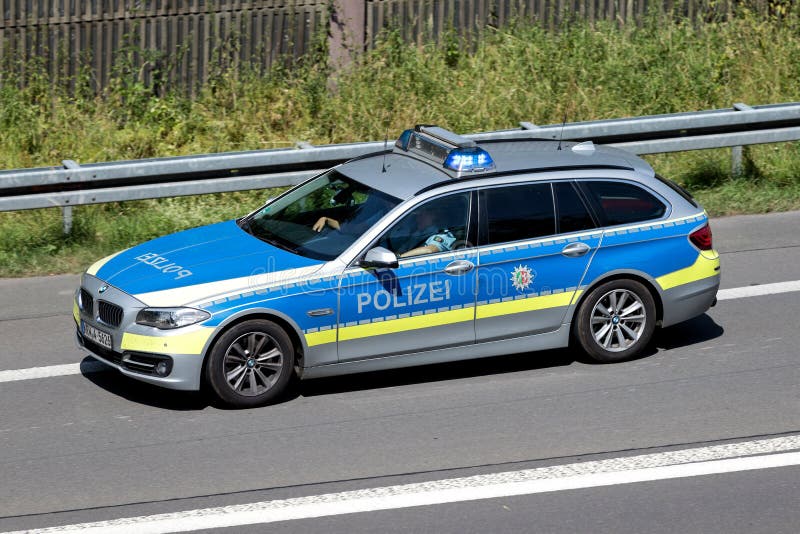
[66,211]
[736,161]
[738,151]
[66,214]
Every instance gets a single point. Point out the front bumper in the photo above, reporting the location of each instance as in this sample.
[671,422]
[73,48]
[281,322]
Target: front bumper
[184,375]
[136,349]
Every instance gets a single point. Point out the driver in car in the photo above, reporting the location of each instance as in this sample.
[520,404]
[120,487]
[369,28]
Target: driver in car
[365,215]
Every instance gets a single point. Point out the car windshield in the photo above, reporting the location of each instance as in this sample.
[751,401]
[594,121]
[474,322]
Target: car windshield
[321,218]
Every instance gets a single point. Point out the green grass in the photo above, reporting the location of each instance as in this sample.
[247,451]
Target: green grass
[770,180]
[521,73]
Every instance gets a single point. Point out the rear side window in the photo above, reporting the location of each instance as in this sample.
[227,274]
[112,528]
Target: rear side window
[678,189]
[572,213]
[623,203]
[517,212]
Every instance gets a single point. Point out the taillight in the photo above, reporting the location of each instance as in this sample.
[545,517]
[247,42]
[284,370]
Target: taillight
[702,238]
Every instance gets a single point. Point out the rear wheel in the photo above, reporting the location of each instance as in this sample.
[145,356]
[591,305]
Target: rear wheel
[616,321]
[251,364]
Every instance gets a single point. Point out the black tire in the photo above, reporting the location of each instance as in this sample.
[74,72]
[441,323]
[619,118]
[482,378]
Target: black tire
[613,335]
[259,357]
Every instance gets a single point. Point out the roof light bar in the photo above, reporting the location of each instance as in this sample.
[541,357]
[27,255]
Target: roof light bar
[453,151]
[447,136]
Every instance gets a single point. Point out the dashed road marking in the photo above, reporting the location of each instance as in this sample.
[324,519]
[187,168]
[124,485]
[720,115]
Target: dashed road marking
[759,290]
[702,461]
[51,371]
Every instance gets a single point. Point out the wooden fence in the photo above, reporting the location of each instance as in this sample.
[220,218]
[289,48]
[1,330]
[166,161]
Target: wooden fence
[165,42]
[171,44]
[423,20]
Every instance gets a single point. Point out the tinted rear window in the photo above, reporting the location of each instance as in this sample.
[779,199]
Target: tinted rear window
[518,212]
[678,189]
[572,213]
[623,203]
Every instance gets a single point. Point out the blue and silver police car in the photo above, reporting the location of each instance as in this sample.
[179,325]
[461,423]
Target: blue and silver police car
[437,250]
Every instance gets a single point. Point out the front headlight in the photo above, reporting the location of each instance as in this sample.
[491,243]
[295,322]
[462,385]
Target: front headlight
[169,318]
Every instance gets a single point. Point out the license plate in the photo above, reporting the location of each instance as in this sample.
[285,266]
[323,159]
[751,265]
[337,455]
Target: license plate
[98,336]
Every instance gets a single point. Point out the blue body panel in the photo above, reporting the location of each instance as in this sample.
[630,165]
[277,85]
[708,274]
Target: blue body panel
[416,289]
[655,250]
[546,272]
[293,301]
[206,254]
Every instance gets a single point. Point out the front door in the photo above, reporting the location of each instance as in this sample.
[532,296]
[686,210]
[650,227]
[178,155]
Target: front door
[427,302]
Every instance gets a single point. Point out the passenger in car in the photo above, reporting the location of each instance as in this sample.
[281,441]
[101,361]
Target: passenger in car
[433,237]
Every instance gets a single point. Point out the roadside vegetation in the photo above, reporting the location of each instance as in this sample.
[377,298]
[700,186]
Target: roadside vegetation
[520,73]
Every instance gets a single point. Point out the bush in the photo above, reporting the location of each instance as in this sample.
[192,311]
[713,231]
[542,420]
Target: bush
[508,75]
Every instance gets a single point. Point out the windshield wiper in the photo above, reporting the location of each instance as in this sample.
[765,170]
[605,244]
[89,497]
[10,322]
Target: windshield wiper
[276,243]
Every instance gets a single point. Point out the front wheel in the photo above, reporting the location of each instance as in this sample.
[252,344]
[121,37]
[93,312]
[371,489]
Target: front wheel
[616,321]
[251,364]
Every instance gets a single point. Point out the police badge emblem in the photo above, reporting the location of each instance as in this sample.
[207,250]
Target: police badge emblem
[522,277]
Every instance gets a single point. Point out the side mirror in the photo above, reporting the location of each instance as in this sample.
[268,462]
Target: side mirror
[379,258]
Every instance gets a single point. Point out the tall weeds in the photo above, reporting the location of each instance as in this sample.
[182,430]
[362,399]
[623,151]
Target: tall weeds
[511,74]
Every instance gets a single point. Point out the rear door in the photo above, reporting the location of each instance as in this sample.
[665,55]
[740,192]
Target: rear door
[536,241]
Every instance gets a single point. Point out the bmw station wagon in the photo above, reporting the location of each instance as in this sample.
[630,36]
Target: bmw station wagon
[440,249]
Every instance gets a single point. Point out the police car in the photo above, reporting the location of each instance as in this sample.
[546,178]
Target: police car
[437,250]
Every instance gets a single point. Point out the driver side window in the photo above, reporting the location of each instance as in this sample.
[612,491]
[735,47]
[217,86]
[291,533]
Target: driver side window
[438,225]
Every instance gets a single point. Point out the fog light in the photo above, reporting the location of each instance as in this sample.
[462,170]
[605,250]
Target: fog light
[162,368]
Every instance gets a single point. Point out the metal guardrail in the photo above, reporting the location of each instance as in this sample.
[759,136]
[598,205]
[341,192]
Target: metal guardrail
[73,184]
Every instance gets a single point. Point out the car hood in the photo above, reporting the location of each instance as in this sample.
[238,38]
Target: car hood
[198,264]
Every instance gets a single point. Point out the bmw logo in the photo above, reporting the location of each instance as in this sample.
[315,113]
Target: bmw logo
[102,289]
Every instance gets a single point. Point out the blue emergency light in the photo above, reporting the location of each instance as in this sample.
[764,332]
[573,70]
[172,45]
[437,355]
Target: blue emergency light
[468,159]
[454,152]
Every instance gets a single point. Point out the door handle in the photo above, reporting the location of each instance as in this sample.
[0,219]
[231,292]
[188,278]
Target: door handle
[574,250]
[459,267]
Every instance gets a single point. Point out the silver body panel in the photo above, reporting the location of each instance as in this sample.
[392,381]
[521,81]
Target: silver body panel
[523,344]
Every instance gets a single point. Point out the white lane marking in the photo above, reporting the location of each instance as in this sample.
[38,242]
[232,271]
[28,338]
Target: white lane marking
[51,370]
[719,459]
[74,369]
[757,291]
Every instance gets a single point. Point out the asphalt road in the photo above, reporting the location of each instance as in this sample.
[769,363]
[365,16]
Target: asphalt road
[98,446]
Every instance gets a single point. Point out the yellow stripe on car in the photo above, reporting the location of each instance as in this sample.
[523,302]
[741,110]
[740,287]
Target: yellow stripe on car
[405,324]
[76,313]
[320,338]
[96,266]
[524,305]
[189,343]
[705,266]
